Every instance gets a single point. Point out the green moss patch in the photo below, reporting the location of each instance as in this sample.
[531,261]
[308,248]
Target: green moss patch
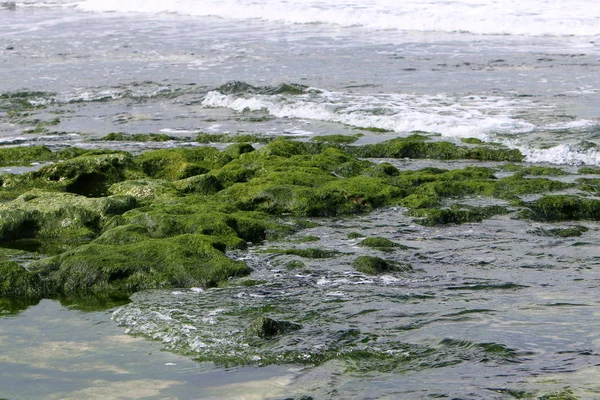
[375,265]
[572,231]
[562,208]
[455,214]
[180,261]
[306,253]
[418,146]
[340,139]
[380,243]
[138,137]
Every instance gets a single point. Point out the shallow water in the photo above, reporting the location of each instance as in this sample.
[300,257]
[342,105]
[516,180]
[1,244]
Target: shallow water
[490,309]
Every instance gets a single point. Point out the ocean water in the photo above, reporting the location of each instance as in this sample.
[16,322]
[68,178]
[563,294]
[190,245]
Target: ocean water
[522,73]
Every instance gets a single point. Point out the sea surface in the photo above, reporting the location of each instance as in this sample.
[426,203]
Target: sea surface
[524,73]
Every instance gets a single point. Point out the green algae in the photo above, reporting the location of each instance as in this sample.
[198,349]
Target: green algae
[339,139]
[589,170]
[237,87]
[232,138]
[295,264]
[19,283]
[16,156]
[562,208]
[418,146]
[534,170]
[572,231]
[565,394]
[305,253]
[355,235]
[61,216]
[88,174]
[373,129]
[265,327]
[376,265]
[138,137]
[22,101]
[143,190]
[589,185]
[380,243]
[173,213]
[471,141]
[456,214]
[180,163]
[180,261]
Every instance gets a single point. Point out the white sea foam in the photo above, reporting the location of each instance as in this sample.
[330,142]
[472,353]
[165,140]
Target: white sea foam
[570,154]
[513,17]
[489,118]
[451,116]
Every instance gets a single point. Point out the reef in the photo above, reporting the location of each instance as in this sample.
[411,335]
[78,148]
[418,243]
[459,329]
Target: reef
[112,223]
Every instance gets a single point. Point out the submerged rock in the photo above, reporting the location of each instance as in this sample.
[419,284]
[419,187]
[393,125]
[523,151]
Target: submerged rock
[265,327]
[18,283]
[562,208]
[375,265]
[380,243]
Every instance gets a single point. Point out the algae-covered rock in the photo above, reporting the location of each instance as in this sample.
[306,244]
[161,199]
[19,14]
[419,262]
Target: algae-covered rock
[138,137]
[67,216]
[88,174]
[306,253]
[18,283]
[565,394]
[339,139]
[418,146]
[200,184]
[375,265]
[143,190]
[265,327]
[200,215]
[13,156]
[455,214]
[562,208]
[180,163]
[571,231]
[355,235]
[180,261]
[380,243]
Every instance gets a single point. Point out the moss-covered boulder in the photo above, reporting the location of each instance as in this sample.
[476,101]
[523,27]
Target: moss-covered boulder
[13,156]
[143,190]
[380,243]
[562,208]
[180,261]
[456,214]
[206,184]
[18,283]
[65,216]
[376,265]
[418,146]
[180,163]
[265,327]
[88,174]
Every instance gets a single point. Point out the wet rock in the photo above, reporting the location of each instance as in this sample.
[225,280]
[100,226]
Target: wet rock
[562,208]
[375,265]
[265,327]
[455,214]
[66,216]
[143,190]
[18,283]
[181,163]
[380,243]
[418,146]
[180,261]
[200,184]
[89,174]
